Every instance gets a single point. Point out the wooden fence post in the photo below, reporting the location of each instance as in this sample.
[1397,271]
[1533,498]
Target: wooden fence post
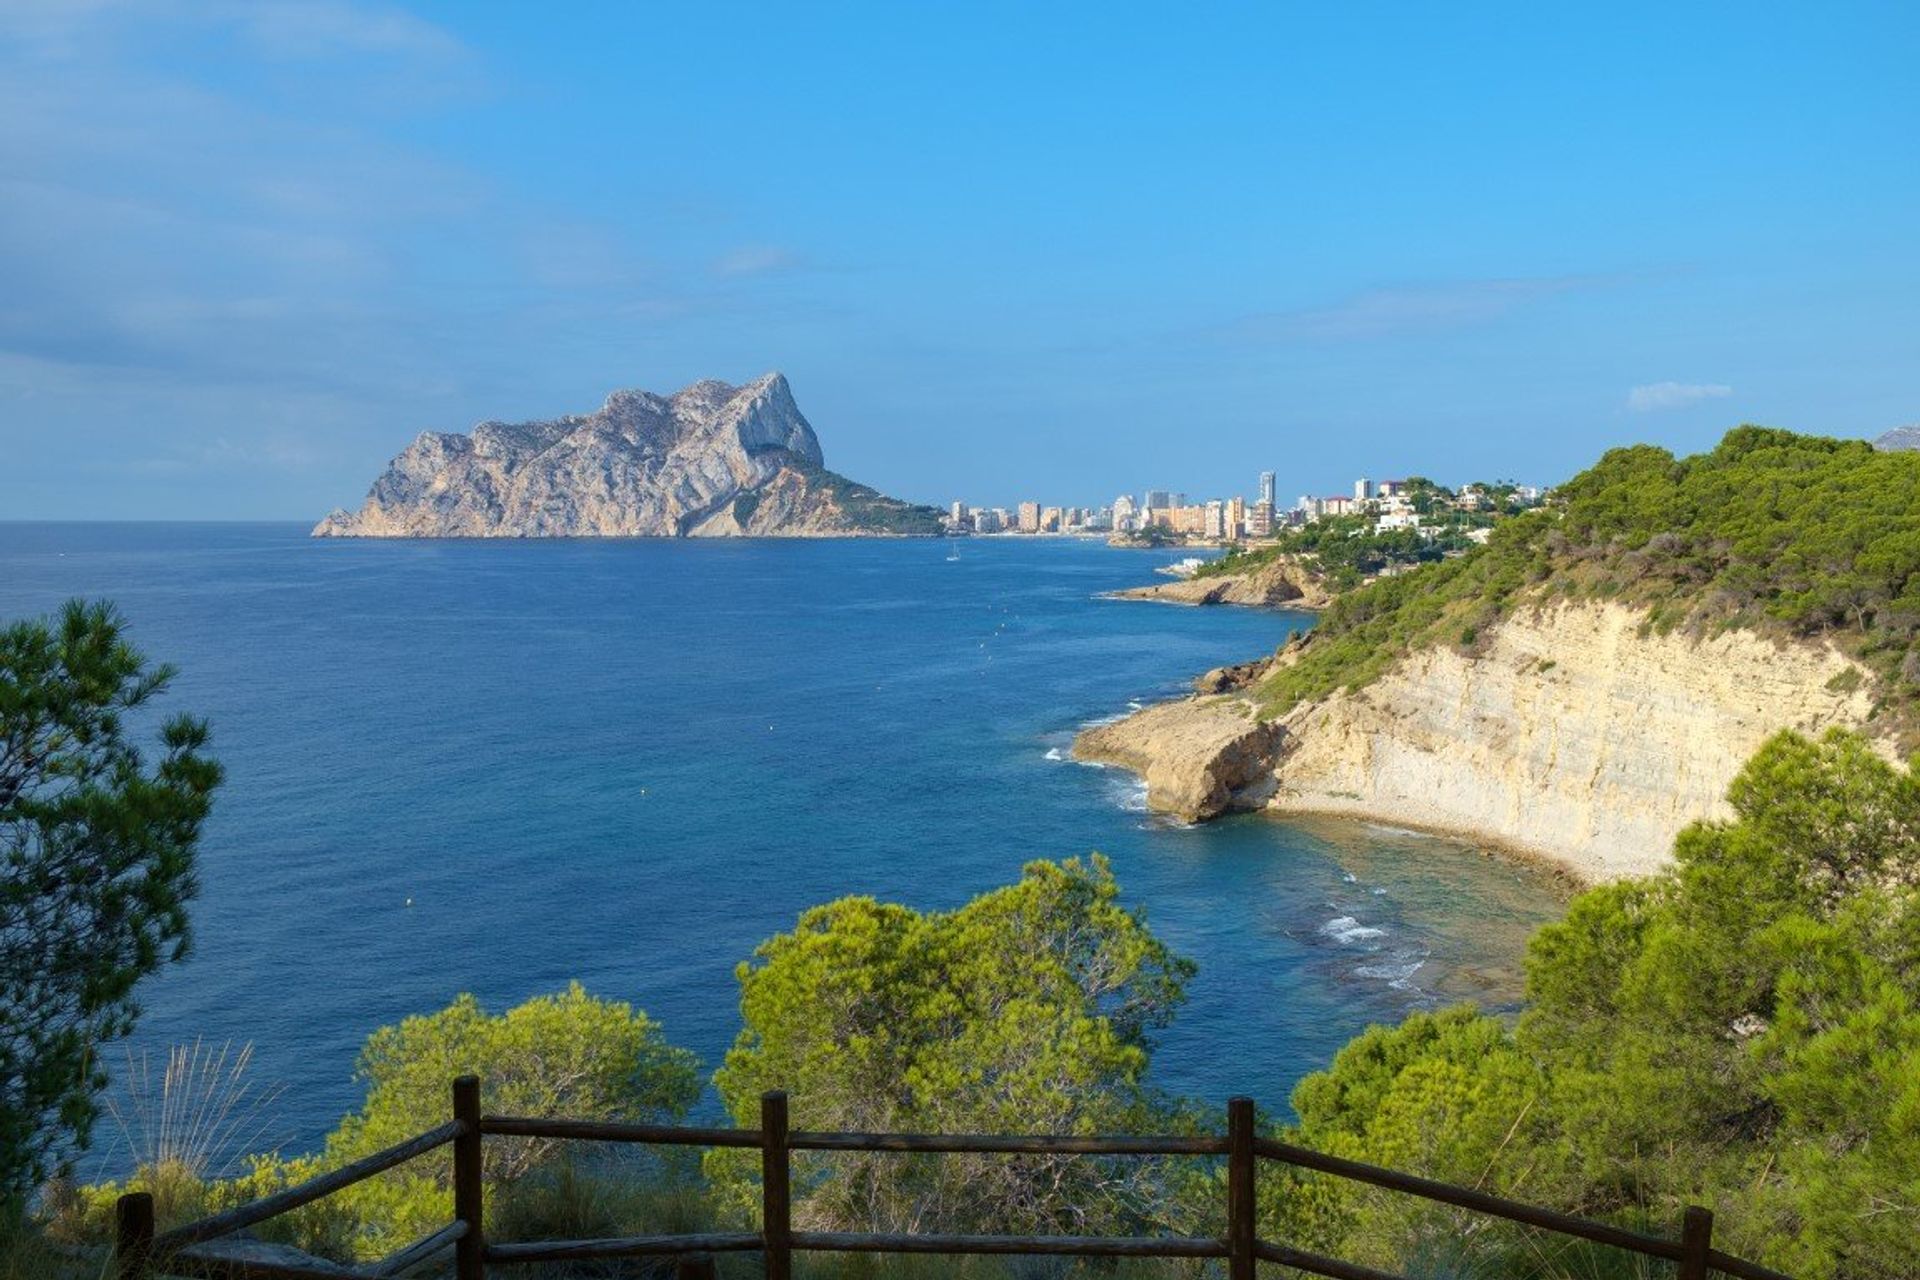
[1240,1189]
[132,1235]
[470,1251]
[694,1266]
[776,1187]
[1696,1243]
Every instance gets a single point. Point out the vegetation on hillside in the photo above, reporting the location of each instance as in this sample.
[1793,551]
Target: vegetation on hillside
[98,848]
[1794,535]
[869,510]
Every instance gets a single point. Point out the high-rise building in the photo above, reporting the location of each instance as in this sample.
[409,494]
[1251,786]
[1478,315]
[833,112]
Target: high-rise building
[1266,488]
[958,513]
[1236,525]
[1260,520]
[1159,500]
[1029,517]
[1216,519]
[1124,512]
[1362,489]
[1050,519]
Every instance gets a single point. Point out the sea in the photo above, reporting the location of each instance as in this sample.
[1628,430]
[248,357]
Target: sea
[501,766]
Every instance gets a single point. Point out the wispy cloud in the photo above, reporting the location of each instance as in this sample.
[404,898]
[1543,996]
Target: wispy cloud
[1655,396]
[307,28]
[757,260]
[1405,309]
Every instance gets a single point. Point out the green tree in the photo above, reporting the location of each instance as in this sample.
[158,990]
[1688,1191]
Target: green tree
[1030,1009]
[99,846]
[568,1055]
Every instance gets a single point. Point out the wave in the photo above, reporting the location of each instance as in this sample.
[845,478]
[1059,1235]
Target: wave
[1131,795]
[1396,974]
[1053,753]
[1347,929]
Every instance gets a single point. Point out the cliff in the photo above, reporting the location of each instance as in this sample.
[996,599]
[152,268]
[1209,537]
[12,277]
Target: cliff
[1572,732]
[1281,581]
[711,460]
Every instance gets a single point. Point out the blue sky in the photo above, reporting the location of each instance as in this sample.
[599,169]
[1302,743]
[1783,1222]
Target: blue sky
[249,249]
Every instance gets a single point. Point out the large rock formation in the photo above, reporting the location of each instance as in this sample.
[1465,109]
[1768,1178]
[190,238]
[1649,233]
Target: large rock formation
[1907,438]
[1574,733]
[1279,582]
[711,460]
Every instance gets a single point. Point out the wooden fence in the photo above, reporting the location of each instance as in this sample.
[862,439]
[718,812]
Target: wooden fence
[139,1253]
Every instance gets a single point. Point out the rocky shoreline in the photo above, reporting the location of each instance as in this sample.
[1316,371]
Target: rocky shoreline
[1573,737]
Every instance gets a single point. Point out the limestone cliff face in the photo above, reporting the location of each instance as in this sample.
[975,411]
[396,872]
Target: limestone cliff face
[1281,582]
[710,460]
[1570,735]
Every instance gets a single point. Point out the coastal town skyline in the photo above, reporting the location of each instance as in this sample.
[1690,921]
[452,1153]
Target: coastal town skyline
[1235,518]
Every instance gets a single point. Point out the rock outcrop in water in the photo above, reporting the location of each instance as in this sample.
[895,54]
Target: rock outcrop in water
[1575,733]
[1281,582]
[712,460]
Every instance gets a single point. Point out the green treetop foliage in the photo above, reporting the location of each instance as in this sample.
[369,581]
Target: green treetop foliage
[1029,1010]
[1742,1031]
[1796,535]
[570,1055]
[98,845]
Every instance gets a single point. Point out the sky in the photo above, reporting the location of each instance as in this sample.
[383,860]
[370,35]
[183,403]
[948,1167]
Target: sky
[250,248]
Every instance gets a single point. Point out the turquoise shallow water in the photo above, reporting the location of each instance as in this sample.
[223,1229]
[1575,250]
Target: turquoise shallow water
[629,762]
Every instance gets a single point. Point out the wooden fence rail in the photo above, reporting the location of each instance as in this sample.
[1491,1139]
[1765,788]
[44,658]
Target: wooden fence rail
[140,1253]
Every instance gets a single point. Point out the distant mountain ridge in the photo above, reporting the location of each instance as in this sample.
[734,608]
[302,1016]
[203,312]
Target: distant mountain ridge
[1898,439]
[711,460]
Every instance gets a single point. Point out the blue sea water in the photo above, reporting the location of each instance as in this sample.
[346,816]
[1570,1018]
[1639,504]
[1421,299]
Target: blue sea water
[499,766]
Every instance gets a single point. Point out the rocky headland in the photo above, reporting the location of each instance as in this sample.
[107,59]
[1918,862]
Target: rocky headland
[1573,735]
[1278,582]
[711,460]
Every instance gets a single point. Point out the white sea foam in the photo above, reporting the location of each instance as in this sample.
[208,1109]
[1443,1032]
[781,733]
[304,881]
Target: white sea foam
[1131,795]
[1397,974]
[1053,753]
[1347,929]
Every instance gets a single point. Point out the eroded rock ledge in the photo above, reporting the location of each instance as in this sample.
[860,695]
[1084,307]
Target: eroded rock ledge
[1200,756]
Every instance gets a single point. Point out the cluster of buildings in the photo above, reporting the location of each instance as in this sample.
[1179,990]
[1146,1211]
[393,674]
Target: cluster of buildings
[1391,503]
[1028,517]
